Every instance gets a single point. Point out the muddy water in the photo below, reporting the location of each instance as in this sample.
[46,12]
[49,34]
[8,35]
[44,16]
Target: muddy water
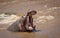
[49,29]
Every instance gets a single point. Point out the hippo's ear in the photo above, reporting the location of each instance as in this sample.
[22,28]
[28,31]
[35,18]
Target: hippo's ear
[24,16]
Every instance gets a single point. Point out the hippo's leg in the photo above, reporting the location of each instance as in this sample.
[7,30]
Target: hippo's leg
[22,28]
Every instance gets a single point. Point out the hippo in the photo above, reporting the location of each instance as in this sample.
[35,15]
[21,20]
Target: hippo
[25,23]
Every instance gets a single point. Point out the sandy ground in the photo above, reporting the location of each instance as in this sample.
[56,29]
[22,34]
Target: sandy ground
[49,29]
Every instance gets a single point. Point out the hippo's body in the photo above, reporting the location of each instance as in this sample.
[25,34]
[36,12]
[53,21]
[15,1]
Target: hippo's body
[17,27]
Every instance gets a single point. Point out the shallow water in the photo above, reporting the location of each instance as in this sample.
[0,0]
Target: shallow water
[47,30]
